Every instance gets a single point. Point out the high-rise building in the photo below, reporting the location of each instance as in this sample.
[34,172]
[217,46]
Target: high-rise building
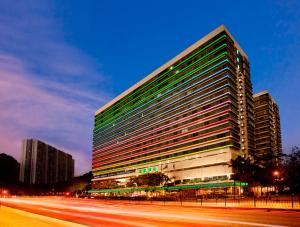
[267,125]
[187,119]
[44,164]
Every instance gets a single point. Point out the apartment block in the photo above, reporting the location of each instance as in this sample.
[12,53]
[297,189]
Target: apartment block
[267,125]
[44,164]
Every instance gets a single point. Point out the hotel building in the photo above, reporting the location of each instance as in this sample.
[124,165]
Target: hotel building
[187,119]
[44,164]
[267,125]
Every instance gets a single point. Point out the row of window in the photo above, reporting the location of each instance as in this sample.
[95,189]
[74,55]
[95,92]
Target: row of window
[170,156]
[176,133]
[182,63]
[166,122]
[184,106]
[144,107]
[193,139]
[144,113]
[159,142]
[169,126]
[178,79]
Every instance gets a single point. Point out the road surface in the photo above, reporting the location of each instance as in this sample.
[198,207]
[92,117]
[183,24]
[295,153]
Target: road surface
[117,213]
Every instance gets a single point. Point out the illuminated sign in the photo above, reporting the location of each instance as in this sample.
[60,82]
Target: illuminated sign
[150,169]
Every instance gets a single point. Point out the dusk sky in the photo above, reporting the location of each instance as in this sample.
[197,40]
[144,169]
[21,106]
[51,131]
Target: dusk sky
[62,60]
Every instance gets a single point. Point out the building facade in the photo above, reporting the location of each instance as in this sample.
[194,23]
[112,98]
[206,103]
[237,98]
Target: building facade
[187,119]
[267,125]
[44,164]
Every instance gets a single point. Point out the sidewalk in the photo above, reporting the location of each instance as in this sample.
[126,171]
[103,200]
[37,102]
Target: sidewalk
[10,217]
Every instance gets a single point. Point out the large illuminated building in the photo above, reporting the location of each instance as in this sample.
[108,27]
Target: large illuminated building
[42,163]
[187,119]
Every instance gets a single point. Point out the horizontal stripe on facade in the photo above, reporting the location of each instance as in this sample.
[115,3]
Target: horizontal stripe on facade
[178,149]
[129,135]
[96,177]
[99,126]
[141,123]
[159,121]
[175,107]
[204,136]
[174,162]
[117,152]
[172,96]
[142,152]
[205,141]
[165,111]
[158,157]
[157,78]
[95,172]
[171,83]
[172,124]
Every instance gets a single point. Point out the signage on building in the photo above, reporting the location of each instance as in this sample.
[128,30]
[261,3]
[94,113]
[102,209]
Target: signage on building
[149,169]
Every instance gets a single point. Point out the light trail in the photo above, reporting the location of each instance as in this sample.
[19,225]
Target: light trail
[104,209]
[46,209]
[100,218]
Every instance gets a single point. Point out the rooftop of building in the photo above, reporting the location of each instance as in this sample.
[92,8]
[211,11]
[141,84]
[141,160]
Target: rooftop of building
[264,92]
[38,140]
[168,64]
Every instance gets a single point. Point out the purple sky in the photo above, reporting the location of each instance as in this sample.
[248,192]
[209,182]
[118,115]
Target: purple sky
[62,60]
[46,84]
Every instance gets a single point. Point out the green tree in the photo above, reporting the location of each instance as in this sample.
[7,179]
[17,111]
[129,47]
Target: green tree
[149,179]
[244,170]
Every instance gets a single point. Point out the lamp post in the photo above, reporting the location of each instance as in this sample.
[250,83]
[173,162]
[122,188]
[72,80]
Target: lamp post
[3,193]
[276,174]
[135,187]
[161,170]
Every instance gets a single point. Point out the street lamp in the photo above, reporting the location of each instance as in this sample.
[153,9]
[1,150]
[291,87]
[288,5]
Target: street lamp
[276,174]
[135,188]
[3,193]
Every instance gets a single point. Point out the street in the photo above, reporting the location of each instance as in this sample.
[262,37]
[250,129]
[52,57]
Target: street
[120,213]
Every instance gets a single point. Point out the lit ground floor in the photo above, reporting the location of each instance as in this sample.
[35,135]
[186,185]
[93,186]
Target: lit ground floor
[189,191]
[200,168]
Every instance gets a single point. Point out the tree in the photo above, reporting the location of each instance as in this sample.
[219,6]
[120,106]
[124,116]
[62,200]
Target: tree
[267,164]
[149,179]
[9,170]
[80,183]
[257,169]
[244,170]
[107,184]
[291,170]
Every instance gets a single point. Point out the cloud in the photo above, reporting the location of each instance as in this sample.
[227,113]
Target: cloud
[48,88]
[30,110]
